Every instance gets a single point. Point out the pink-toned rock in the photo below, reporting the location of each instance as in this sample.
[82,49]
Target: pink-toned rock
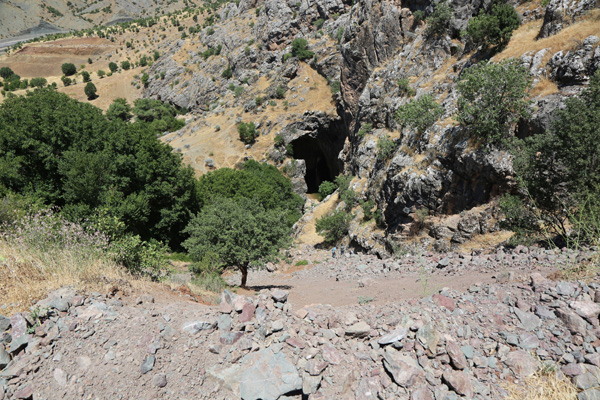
[295,342]
[421,394]
[247,312]
[239,302]
[60,377]
[521,363]
[332,355]
[315,367]
[19,326]
[537,279]
[301,313]
[587,309]
[225,307]
[572,369]
[572,321]
[457,357]
[459,382]
[26,392]
[444,301]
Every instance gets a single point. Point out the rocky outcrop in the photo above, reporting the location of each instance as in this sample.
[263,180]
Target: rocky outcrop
[561,13]
[576,66]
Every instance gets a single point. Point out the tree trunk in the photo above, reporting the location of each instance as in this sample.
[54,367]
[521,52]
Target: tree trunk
[244,271]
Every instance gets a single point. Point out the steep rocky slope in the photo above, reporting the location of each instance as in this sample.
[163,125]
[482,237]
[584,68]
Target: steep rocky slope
[362,50]
[29,17]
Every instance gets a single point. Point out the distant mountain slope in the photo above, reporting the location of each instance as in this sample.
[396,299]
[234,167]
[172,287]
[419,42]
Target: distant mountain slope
[26,17]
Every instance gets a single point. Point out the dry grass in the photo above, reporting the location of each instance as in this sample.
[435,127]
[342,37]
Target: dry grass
[524,39]
[542,386]
[28,275]
[543,88]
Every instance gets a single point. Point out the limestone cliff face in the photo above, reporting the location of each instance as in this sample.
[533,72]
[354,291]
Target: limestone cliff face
[364,49]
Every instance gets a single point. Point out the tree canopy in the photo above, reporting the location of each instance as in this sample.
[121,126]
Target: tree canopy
[492,98]
[241,232]
[68,154]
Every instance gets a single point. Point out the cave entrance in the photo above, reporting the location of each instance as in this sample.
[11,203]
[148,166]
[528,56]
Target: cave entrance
[321,160]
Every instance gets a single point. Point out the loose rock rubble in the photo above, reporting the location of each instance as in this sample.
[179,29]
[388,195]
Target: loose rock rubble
[446,346]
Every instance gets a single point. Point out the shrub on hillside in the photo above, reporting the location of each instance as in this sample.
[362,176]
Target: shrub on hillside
[438,23]
[495,28]
[419,114]
[561,170]
[385,148]
[492,98]
[326,188]
[247,132]
[300,49]
[334,226]
[68,69]
[90,91]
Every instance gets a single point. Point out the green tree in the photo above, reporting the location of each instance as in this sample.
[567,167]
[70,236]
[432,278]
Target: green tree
[90,91]
[438,23]
[300,49]
[241,232]
[86,76]
[68,69]
[247,132]
[6,72]
[161,116]
[38,82]
[420,114]
[334,226]
[119,109]
[144,79]
[156,55]
[101,74]
[492,98]
[125,65]
[260,182]
[68,154]
[495,28]
[66,80]
[561,170]
[113,67]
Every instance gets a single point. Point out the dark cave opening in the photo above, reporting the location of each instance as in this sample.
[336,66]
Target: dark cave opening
[321,161]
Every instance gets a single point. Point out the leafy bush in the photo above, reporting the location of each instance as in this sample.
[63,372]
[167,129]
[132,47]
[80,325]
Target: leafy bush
[125,65]
[404,86]
[561,170]
[227,72]
[419,114]
[301,263]
[419,15]
[335,87]
[86,76]
[280,92]
[495,28]
[300,49]
[326,188]
[385,148]
[492,97]
[367,208]
[247,132]
[140,257]
[319,23]
[113,67]
[347,195]
[90,91]
[68,69]
[38,82]
[66,80]
[6,72]
[334,226]
[518,218]
[364,130]
[438,23]
[101,73]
